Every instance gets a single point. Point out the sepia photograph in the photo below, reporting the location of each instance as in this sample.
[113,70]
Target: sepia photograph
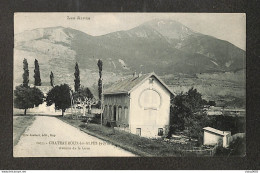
[129,84]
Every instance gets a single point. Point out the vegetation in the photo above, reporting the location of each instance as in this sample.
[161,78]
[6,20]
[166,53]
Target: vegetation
[25,73]
[37,77]
[187,114]
[133,143]
[27,97]
[20,124]
[212,103]
[77,78]
[84,97]
[52,79]
[60,96]
[100,64]
[234,124]
[236,148]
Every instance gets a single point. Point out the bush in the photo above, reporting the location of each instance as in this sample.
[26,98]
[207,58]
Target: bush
[187,114]
[236,148]
[228,123]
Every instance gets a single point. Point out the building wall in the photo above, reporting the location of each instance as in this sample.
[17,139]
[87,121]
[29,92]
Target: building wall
[149,108]
[226,139]
[116,108]
[211,138]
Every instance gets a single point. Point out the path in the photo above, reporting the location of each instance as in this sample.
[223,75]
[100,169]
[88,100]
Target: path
[51,137]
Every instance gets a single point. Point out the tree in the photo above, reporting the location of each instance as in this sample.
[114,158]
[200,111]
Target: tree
[77,78]
[26,97]
[212,103]
[100,64]
[188,114]
[85,98]
[60,96]
[37,77]
[52,79]
[25,73]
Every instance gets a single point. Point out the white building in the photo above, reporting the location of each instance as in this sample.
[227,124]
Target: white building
[139,105]
[213,136]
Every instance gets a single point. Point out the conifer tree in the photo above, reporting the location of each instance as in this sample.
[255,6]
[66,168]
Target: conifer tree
[52,79]
[77,78]
[25,73]
[100,64]
[37,77]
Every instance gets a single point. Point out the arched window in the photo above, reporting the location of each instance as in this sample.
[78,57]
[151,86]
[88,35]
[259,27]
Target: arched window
[110,112]
[114,113]
[126,113]
[119,118]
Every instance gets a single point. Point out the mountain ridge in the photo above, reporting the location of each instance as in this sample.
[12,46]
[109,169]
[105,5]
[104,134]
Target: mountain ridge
[145,48]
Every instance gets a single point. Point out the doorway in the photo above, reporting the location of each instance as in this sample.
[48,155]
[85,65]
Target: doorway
[114,113]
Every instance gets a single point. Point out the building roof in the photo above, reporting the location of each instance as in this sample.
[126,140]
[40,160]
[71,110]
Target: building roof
[216,131]
[129,84]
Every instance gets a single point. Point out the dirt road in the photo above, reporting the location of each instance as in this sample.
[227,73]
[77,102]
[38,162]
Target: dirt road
[50,137]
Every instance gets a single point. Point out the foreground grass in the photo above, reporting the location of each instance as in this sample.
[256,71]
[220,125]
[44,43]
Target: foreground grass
[20,124]
[138,145]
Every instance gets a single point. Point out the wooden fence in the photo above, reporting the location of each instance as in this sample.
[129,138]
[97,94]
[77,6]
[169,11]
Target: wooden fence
[203,151]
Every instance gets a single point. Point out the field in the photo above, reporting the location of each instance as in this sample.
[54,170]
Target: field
[227,88]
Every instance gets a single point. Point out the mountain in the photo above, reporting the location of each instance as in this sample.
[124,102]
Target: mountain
[163,46]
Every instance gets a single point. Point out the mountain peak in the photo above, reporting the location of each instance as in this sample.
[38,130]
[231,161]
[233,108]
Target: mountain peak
[171,29]
[162,21]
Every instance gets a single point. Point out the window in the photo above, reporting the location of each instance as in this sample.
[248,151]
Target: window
[138,131]
[126,113]
[119,113]
[160,131]
[110,112]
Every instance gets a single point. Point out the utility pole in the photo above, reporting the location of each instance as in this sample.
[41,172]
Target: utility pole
[71,101]
[102,104]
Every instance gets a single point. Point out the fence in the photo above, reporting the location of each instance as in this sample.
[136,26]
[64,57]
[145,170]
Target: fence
[203,151]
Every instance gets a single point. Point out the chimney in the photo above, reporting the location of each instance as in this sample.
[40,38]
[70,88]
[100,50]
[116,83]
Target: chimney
[140,74]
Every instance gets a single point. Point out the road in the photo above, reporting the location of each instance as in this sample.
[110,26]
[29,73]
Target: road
[51,137]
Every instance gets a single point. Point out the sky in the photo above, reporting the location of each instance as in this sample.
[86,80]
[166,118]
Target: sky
[225,26]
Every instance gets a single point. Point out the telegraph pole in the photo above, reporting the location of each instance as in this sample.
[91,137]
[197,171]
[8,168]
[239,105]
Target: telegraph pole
[102,104]
[71,97]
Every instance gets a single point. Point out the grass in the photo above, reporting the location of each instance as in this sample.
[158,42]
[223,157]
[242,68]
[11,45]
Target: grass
[20,124]
[138,145]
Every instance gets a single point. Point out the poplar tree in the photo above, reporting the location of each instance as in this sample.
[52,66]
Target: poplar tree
[100,64]
[77,78]
[37,76]
[52,79]
[25,73]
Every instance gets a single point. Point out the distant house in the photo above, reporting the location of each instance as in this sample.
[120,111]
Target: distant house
[139,104]
[213,137]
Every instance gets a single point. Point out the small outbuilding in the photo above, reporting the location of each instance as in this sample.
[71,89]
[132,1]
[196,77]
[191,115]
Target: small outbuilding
[139,104]
[214,136]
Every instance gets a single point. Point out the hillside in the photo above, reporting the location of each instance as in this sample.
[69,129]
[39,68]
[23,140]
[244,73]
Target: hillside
[164,46]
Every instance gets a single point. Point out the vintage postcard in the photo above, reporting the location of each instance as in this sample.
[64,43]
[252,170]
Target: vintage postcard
[129,84]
